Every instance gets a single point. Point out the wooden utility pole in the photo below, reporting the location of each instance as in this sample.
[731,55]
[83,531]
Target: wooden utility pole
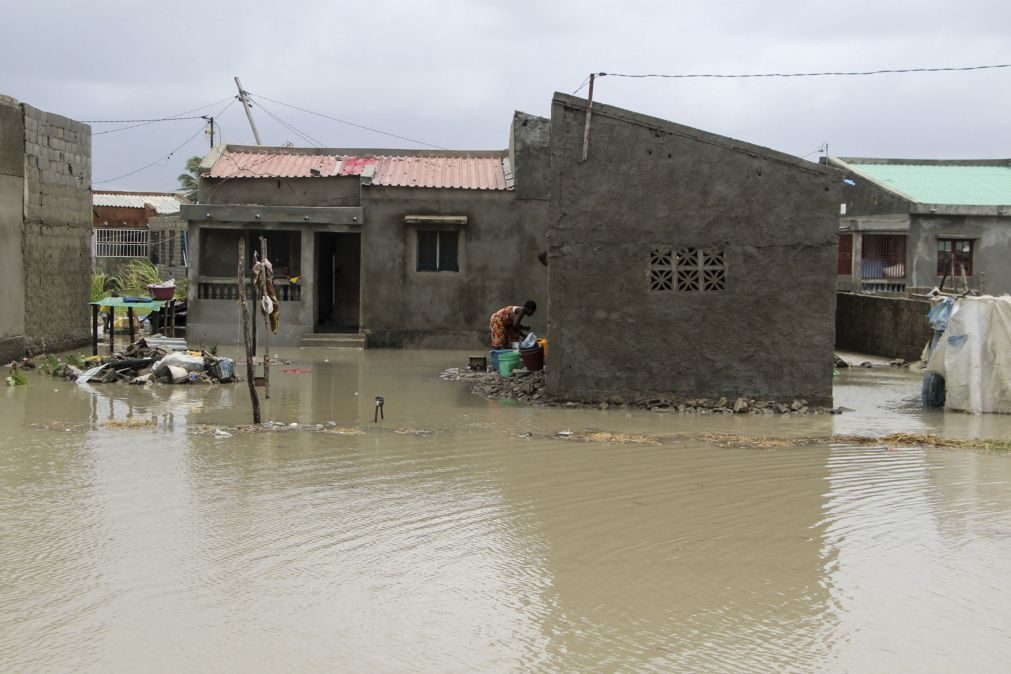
[589,114]
[250,368]
[266,278]
[249,110]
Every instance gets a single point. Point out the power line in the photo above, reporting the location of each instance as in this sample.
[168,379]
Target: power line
[344,121]
[134,123]
[813,74]
[170,154]
[305,136]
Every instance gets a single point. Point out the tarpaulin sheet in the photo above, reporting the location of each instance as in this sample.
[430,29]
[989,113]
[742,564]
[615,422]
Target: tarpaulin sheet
[974,356]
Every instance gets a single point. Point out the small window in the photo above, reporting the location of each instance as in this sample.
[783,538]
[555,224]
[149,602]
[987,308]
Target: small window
[438,251]
[957,251]
[699,270]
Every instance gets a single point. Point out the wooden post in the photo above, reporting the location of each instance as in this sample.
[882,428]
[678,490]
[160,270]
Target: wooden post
[94,329]
[250,371]
[112,330]
[266,318]
[129,318]
[589,115]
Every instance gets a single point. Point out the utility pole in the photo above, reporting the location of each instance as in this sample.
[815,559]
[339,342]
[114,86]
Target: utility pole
[210,120]
[249,110]
[589,114]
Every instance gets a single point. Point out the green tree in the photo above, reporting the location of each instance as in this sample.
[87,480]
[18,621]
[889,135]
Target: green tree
[188,181]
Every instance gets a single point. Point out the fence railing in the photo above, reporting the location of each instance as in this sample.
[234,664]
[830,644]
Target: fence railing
[224,289]
[121,243]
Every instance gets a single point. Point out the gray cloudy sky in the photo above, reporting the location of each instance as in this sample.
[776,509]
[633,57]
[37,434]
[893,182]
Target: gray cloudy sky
[451,72]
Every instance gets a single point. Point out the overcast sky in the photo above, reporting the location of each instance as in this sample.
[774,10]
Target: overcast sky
[451,72]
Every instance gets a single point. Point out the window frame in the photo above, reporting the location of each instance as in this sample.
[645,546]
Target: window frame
[439,233]
[952,253]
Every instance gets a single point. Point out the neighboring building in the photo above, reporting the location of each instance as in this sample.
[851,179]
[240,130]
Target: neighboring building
[905,224]
[45,227]
[401,247]
[685,263]
[129,225]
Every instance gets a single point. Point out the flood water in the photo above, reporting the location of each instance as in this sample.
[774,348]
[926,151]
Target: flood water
[443,540]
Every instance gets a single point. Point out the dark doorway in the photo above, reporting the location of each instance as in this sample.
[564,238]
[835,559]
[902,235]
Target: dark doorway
[338,281]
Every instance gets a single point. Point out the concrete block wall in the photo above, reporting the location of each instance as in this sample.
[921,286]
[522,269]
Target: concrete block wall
[12,291]
[56,234]
[893,327]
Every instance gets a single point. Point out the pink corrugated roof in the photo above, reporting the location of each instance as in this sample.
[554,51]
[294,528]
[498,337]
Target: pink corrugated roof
[470,173]
[273,165]
[475,173]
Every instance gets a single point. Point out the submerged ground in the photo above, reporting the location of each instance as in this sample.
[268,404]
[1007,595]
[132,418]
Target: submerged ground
[462,534]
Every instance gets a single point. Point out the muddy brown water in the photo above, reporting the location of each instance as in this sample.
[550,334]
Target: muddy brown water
[469,548]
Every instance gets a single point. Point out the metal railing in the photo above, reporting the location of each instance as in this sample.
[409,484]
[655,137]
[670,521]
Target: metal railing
[121,242]
[224,289]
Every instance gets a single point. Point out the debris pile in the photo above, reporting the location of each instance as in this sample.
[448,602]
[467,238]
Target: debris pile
[529,387]
[140,363]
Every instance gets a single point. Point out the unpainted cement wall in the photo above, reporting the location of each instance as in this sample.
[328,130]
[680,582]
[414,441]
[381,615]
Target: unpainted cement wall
[991,235]
[498,247]
[893,327]
[651,184]
[330,191]
[57,235]
[12,289]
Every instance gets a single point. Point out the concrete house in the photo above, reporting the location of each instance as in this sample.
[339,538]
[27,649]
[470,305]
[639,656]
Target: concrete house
[45,227]
[385,247]
[685,263]
[128,225]
[905,223]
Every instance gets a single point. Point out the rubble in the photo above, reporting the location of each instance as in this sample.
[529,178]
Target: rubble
[140,363]
[528,387]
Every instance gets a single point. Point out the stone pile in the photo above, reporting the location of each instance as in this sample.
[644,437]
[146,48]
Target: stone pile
[528,387]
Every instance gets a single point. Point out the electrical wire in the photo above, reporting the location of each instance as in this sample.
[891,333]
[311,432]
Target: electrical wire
[344,121]
[169,155]
[134,123]
[814,74]
[306,137]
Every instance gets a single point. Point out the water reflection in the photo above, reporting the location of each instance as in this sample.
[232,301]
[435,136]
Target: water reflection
[443,540]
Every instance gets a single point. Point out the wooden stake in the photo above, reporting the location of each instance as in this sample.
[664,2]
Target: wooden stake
[589,114]
[266,318]
[250,369]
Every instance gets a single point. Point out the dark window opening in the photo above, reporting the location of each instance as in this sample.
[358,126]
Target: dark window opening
[952,256]
[844,265]
[438,251]
[687,270]
[883,256]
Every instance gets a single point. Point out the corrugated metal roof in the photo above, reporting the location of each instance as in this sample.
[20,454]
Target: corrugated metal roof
[943,183]
[274,165]
[164,204]
[459,172]
[474,173]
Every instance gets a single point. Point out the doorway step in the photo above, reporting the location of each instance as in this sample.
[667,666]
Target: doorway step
[351,341]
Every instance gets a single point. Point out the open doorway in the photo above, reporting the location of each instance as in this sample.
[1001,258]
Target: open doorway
[338,281]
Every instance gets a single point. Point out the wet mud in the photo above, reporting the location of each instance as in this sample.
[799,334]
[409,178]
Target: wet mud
[155,529]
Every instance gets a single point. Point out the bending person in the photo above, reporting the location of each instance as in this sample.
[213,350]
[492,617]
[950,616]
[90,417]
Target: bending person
[506,324]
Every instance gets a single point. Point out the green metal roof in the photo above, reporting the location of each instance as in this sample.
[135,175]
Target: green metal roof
[943,183]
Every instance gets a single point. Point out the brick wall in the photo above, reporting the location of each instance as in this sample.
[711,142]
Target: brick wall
[56,240]
[893,327]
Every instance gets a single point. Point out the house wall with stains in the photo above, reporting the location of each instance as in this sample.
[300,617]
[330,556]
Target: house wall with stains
[760,225]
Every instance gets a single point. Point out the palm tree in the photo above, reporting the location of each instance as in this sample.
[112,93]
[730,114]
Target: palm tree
[188,181]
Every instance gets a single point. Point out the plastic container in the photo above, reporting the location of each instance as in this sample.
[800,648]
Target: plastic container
[543,341]
[533,358]
[507,362]
[162,292]
[495,353]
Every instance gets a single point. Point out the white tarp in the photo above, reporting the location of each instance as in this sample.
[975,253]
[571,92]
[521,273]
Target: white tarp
[974,356]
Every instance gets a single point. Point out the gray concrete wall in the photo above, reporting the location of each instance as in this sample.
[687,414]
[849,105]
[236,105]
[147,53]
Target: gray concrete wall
[498,247]
[529,146]
[649,183]
[338,191]
[12,289]
[57,234]
[991,237]
[893,327]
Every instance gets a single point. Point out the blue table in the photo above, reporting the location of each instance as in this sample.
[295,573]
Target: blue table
[112,303]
